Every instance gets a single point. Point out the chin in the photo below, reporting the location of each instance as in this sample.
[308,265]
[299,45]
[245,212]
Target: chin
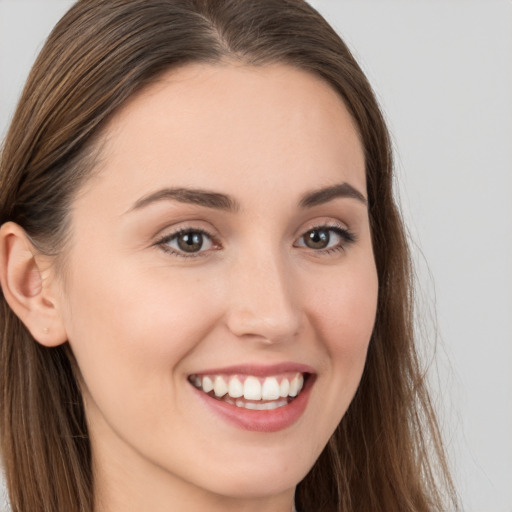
[266,474]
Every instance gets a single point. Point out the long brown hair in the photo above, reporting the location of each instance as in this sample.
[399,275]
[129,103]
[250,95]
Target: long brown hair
[386,454]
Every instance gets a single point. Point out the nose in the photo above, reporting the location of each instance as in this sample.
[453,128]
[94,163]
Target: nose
[262,301]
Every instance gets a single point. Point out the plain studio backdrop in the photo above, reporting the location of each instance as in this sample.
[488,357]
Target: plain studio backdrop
[443,73]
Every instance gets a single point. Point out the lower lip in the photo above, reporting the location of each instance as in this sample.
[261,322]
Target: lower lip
[271,420]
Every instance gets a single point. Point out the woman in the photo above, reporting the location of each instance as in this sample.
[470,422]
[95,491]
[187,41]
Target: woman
[206,284]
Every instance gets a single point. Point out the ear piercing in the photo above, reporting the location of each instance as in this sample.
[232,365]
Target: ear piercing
[46,330]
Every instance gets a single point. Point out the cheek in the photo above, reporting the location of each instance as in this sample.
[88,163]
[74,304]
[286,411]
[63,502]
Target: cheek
[345,316]
[342,311]
[346,309]
[126,323]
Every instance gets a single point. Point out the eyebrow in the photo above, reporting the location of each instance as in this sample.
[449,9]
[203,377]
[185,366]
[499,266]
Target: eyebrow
[191,196]
[327,194]
[225,202]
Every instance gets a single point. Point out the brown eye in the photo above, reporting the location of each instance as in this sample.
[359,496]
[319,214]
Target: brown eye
[317,238]
[191,241]
[326,239]
[187,242]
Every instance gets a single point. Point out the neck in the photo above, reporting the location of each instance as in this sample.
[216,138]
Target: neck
[118,500]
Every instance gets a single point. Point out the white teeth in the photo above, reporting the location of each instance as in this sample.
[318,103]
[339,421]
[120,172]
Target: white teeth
[275,405]
[236,388]
[219,386]
[267,406]
[284,388]
[252,389]
[207,384]
[296,385]
[300,378]
[270,389]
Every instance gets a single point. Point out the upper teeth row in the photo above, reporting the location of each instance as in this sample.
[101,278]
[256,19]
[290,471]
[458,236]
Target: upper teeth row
[251,388]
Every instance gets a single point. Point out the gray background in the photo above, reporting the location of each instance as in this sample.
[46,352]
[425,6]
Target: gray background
[443,73]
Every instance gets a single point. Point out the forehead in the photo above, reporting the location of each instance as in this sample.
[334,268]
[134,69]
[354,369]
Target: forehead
[227,125]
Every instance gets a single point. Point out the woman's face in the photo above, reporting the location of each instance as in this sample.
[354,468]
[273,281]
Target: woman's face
[224,241]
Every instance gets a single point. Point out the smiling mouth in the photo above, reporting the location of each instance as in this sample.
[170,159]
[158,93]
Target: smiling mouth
[251,392]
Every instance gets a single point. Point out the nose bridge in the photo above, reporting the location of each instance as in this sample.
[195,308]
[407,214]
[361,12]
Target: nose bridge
[262,298]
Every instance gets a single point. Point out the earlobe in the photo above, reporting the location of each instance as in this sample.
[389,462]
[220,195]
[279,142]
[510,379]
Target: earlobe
[29,295]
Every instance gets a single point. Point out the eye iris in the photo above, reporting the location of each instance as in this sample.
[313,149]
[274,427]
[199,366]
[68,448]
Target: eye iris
[190,242]
[317,239]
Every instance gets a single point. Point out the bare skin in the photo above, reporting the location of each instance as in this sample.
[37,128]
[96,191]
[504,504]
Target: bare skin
[258,288]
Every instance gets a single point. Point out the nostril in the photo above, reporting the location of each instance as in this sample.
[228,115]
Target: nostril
[262,304]
[264,328]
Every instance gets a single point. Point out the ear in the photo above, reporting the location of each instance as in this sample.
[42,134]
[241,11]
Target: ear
[30,293]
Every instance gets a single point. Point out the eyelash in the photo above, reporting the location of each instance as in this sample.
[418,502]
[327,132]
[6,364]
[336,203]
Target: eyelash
[165,240]
[347,236]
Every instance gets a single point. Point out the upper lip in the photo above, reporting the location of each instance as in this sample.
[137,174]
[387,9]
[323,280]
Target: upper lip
[258,370]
